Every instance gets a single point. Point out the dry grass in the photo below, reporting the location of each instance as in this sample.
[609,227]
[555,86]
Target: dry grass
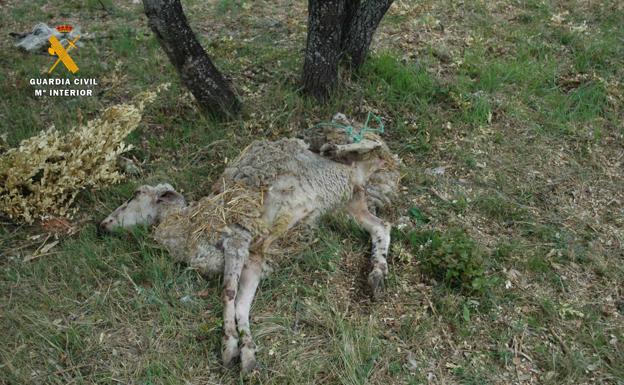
[212,214]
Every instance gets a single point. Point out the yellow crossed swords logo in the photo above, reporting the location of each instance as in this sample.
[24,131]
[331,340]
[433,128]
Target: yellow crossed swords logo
[56,48]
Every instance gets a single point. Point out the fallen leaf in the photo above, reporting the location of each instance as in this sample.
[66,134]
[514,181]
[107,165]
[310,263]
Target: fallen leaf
[41,251]
[412,364]
[58,225]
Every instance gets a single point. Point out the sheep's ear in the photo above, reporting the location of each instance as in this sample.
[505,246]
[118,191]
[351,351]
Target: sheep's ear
[169,196]
[349,150]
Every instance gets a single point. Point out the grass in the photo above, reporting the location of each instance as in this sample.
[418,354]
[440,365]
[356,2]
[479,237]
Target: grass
[518,103]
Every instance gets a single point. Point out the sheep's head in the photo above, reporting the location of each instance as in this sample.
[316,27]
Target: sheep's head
[147,206]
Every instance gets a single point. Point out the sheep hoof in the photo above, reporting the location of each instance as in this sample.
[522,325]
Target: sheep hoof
[248,360]
[230,351]
[376,283]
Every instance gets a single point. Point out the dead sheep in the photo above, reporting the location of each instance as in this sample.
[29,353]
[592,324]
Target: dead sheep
[262,195]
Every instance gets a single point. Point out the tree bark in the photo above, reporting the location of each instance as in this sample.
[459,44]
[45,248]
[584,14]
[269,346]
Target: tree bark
[337,30]
[197,72]
[360,25]
[320,69]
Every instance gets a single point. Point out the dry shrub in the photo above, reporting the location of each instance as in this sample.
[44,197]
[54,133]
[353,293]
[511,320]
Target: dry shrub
[44,174]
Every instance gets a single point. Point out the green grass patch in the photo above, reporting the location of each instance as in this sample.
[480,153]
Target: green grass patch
[452,258]
[500,208]
[398,84]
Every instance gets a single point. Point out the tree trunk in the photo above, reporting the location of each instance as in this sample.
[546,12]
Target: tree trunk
[320,69]
[360,25]
[338,29]
[168,22]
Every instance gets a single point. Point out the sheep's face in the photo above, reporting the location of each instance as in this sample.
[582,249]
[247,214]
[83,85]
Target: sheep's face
[146,207]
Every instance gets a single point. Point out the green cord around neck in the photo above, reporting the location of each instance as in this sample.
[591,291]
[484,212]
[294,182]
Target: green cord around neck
[350,130]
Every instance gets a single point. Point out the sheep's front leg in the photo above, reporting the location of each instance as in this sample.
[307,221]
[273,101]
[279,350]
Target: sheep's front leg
[250,278]
[236,251]
[380,236]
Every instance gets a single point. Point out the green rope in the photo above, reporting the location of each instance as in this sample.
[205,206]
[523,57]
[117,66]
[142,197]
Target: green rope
[350,130]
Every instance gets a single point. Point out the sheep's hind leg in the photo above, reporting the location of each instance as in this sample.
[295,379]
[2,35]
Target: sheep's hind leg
[380,236]
[235,250]
[249,280]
